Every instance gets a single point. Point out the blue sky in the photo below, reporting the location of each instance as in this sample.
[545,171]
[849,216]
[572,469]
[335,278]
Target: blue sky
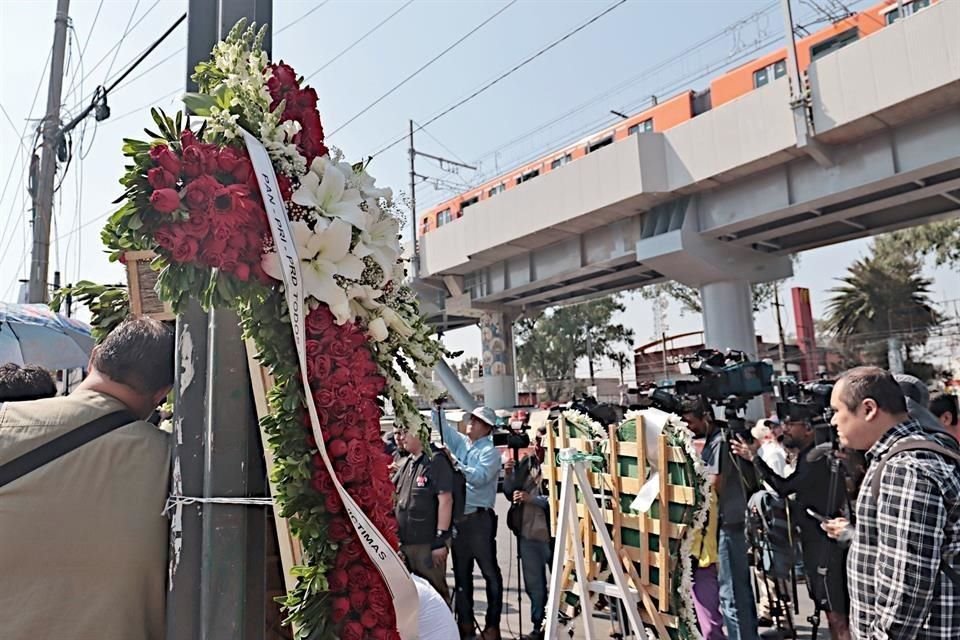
[585,74]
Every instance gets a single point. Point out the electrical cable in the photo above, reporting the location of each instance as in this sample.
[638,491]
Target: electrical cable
[116,49]
[358,40]
[506,74]
[87,42]
[427,64]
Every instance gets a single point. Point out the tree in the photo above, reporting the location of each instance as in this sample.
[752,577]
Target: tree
[551,344]
[940,240]
[881,296]
[468,367]
[622,360]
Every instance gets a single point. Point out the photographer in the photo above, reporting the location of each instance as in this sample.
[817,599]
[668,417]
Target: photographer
[734,483]
[527,519]
[815,489]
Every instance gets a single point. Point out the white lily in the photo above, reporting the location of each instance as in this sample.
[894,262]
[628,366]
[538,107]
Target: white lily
[324,253]
[377,329]
[395,322]
[324,188]
[381,241]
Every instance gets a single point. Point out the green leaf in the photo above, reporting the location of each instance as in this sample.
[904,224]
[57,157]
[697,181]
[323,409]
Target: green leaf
[199,103]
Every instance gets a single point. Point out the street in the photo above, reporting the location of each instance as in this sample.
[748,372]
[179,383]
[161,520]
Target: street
[516,616]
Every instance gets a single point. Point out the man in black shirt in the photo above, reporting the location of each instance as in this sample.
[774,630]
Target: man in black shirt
[424,510]
[814,488]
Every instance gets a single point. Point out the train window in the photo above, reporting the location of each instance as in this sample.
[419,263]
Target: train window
[909,8]
[497,189]
[529,175]
[641,127]
[559,162]
[830,45]
[593,146]
[467,203]
[772,71]
[443,217]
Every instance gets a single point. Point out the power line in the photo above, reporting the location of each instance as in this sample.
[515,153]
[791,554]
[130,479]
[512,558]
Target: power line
[515,68]
[427,64]
[358,40]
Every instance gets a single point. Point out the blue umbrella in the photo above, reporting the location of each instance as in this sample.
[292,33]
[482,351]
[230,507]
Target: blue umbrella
[33,334]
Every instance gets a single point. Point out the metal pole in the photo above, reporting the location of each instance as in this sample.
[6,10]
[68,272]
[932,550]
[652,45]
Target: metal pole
[899,9]
[37,291]
[663,350]
[782,344]
[413,204]
[793,65]
[217,578]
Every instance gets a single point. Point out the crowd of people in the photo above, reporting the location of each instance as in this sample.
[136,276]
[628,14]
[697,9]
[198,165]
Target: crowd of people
[868,519]
[871,521]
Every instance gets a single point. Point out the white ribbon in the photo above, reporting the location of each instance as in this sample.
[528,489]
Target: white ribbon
[385,559]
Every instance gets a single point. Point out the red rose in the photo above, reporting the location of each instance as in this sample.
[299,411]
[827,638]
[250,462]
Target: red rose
[162,156]
[339,530]
[199,193]
[346,473]
[378,600]
[227,159]
[186,250]
[310,138]
[160,178]
[242,272]
[353,630]
[242,171]
[333,502]
[303,100]
[209,153]
[334,428]
[337,448]
[165,200]
[165,238]
[339,608]
[353,550]
[286,187]
[357,453]
[192,161]
[358,597]
[338,580]
[283,78]
[197,225]
[359,576]
[228,264]
[313,349]
[324,398]
[368,619]
[224,231]
[340,350]
[187,139]
[352,433]
[319,365]
[321,481]
[319,320]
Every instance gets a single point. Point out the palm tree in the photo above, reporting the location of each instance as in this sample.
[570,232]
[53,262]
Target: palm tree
[880,298]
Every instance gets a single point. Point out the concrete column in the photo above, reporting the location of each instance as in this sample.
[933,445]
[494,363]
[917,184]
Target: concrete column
[728,324]
[728,316]
[499,381]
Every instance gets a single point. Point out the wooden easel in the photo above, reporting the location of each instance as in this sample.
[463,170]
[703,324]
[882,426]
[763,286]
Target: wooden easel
[575,476]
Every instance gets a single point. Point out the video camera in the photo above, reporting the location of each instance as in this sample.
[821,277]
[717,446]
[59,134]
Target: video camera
[728,379]
[806,402]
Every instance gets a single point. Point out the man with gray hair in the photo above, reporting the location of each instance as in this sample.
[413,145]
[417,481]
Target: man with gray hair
[83,483]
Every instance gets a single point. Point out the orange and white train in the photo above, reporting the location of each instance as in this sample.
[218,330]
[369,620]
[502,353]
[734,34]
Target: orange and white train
[680,108]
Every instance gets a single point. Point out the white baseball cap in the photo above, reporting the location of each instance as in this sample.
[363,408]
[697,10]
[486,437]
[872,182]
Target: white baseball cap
[486,414]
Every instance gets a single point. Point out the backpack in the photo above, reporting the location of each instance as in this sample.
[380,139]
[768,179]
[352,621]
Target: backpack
[917,445]
[459,482]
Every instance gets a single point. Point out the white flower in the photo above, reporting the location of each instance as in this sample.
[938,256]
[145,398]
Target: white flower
[381,242]
[377,329]
[395,322]
[324,253]
[324,188]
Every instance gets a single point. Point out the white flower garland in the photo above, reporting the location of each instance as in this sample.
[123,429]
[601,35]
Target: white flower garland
[679,435]
[585,425]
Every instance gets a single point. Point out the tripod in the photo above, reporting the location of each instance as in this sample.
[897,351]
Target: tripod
[519,507]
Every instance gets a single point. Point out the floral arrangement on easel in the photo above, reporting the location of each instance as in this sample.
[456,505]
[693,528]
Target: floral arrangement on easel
[695,475]
[193,198]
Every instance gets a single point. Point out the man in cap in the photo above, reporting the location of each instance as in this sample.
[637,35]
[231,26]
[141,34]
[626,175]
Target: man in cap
[475,539]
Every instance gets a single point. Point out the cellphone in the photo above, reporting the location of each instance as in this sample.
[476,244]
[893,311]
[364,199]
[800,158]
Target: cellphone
[816,516]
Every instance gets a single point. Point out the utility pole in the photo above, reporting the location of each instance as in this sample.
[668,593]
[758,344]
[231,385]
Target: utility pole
[782,344]
[414,176]
[43,207]
[413,203]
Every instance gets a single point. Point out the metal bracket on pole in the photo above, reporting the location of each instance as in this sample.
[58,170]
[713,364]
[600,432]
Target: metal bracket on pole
[574,476]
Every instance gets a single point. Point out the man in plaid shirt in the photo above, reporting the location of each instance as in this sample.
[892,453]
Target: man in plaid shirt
[907,537]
